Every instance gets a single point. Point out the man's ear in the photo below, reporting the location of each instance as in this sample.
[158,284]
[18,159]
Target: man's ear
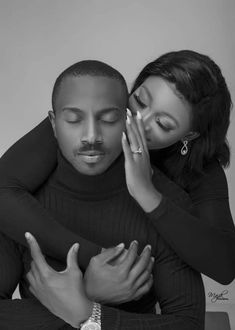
[191,136]
[51,116]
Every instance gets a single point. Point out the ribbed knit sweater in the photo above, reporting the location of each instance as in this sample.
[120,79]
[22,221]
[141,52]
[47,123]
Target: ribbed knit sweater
[101,210]
[204,239]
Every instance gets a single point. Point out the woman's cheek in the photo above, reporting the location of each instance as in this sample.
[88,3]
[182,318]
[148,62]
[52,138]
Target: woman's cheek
[160,140]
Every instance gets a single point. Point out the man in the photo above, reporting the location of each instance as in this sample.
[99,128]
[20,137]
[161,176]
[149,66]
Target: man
[88,118]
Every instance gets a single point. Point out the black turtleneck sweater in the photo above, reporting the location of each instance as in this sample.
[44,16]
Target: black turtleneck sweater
[101,210]
[204,238]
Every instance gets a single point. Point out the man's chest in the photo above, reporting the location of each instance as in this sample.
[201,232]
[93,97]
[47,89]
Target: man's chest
[106,221]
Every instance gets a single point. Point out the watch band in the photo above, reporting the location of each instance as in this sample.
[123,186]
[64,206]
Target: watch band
[94,321]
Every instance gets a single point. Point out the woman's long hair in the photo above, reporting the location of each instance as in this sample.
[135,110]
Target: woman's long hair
[200,81]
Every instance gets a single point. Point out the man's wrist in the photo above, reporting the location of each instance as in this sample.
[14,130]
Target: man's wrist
[84,315]
[94,321]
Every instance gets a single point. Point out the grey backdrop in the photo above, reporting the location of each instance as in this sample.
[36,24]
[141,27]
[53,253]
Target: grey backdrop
[39,38]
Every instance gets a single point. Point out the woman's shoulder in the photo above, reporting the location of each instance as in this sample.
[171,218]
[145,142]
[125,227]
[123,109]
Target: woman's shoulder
[213,169]
[212,183]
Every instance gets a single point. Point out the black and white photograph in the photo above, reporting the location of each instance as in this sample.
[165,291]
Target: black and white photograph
[117,162]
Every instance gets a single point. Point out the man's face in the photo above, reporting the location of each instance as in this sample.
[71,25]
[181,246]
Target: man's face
[88,122]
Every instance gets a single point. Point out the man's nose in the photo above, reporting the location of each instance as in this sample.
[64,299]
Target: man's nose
[91,132]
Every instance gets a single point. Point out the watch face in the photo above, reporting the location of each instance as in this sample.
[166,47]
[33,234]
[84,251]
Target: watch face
[91,325]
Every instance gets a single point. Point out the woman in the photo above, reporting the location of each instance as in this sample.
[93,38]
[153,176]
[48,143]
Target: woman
[183,107]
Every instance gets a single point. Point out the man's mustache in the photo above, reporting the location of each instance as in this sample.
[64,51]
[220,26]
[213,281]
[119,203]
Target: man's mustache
[88,147]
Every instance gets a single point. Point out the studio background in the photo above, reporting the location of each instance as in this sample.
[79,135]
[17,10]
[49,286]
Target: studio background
[40,38]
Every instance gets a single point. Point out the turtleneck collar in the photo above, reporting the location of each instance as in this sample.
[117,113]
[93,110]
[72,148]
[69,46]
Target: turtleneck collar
[90,186]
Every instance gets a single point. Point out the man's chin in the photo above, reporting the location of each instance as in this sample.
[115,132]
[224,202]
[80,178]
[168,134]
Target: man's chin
[95,165]
[91,168]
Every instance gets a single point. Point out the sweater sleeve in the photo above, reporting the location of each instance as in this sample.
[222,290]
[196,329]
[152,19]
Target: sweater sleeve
[180,293]
[18,314]
[23,169]
[202,235]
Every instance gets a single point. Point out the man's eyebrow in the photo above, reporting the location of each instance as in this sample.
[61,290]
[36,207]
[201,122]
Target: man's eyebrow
[109,109]
[74,109]
[101,111]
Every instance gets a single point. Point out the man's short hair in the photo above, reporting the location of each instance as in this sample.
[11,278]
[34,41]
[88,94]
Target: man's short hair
[88,68]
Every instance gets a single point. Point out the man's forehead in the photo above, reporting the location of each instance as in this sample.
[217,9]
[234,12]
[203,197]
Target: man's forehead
[87,89]
[86,84]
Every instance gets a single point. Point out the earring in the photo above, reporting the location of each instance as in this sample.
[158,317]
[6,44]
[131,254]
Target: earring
[184,149]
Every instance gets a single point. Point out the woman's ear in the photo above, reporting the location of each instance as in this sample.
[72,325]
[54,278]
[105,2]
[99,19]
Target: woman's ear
[51,116]
[191,136]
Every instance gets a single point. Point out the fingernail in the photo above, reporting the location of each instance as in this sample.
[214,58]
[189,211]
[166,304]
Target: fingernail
[139,116]
[120,246]
[76,247]
[148,247]
[133,242]
[129,112]
[128,120]
[124,135]
[28,236]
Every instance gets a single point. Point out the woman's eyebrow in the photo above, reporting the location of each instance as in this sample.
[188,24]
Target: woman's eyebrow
[147,92]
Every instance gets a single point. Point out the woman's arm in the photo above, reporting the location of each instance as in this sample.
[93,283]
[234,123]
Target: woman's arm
[23,169]
[203,236]
[202,233]
[180,293]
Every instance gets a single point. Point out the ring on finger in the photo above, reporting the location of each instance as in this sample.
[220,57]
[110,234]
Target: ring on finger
[137,151]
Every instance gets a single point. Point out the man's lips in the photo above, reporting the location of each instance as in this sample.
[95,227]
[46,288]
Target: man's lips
[91,157]
[91,153]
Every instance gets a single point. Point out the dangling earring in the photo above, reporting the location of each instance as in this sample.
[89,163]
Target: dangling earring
[184,149]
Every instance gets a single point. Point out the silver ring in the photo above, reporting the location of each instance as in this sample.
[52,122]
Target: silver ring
[138,151]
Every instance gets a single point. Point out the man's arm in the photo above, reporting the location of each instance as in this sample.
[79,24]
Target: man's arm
[27,314]
[179,290]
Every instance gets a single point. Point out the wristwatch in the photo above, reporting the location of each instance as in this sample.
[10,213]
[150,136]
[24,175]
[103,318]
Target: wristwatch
[94,321]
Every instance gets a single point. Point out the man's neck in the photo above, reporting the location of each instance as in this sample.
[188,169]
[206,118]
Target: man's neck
[104,184]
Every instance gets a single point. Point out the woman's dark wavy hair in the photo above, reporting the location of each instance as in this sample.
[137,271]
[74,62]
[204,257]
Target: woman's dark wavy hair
[200,81]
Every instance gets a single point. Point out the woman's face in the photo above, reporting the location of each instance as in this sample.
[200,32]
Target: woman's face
[167,116]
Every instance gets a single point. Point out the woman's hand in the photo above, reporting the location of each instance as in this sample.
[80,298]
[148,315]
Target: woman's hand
[117,275]
[137,164]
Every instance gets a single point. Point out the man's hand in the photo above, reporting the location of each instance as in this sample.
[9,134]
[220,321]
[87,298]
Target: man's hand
[63,292]
[116,275]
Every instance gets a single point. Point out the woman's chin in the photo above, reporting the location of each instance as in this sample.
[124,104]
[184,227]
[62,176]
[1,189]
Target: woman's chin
[156,146]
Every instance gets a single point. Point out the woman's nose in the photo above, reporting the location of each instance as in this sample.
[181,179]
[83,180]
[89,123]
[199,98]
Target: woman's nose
[147,117]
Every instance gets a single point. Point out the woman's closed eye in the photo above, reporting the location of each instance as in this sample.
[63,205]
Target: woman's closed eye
[164,124]
[139,101]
